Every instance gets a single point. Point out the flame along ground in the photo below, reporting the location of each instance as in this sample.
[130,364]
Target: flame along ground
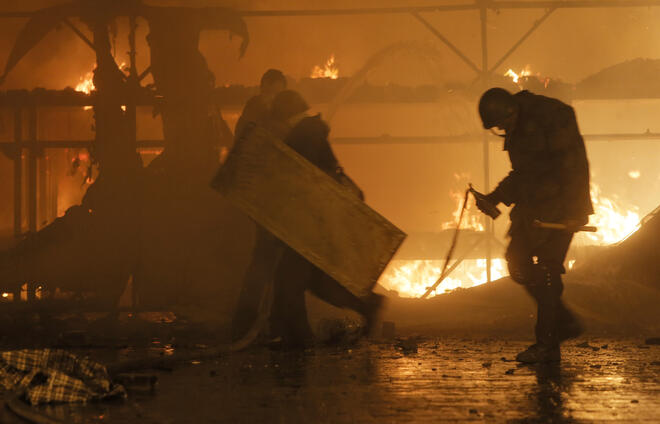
[410,278]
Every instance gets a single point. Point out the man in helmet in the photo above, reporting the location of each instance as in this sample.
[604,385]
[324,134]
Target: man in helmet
[549,182]
[257,108]
[292,274]
[266,247]
[308,135]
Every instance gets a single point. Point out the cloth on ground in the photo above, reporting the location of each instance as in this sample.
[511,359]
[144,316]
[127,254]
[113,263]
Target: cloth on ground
[52,375]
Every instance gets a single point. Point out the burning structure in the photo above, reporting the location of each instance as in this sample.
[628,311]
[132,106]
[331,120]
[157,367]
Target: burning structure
[140,230]
[418,263]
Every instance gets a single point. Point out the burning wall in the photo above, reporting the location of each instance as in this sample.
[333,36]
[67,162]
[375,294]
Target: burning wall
[413,182]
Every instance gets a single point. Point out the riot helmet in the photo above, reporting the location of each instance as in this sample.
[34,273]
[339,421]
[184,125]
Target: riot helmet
[495,106]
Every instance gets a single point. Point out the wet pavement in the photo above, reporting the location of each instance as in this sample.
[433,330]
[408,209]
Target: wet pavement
[414,380]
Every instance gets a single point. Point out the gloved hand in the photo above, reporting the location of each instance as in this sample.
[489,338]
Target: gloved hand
[487,203]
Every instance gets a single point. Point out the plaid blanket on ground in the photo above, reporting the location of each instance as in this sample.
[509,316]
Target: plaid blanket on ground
[51,375]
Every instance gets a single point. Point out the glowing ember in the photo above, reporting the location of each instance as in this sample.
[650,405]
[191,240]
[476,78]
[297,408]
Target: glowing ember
[614,221]
[329,70]
[634,174]
[412,278]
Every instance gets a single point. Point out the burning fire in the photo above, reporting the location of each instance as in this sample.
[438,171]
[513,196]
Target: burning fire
[413,278]
[86,84]
[515,77]
[472,219]
[329,70]
[614,221]
[519,77]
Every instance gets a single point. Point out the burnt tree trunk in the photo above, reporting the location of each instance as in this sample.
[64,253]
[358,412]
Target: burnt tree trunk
[195,245]
[93,247]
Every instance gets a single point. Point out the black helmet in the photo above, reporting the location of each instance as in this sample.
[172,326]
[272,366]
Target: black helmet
[495,105]
[286,104]
[272,76]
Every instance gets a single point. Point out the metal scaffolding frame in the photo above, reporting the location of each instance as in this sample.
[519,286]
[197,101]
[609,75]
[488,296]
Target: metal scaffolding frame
[34,146]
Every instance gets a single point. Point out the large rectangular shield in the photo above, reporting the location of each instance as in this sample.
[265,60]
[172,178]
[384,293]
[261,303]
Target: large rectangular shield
[308,210]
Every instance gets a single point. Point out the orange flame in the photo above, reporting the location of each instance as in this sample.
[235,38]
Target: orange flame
[614,221]
[329,70]
[517,77]
[472,219]
[413,278]
[86,84]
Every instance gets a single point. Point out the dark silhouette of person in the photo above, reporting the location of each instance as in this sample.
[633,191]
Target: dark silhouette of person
[257,108]
[308,135]
[549,182]
[267,249]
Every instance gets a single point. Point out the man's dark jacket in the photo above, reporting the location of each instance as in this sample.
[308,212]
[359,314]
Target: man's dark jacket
[549,179]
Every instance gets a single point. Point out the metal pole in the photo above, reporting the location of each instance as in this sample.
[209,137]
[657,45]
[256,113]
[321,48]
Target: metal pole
[78,33]
[449,44]
[492,5]
[483,15]
[18,172]
[522,39]
[33,175]
[18,182]
[32,169]
[133,81]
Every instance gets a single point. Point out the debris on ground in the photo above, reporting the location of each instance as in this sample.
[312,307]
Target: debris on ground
[389,330]
[54,375]
[137,382]
[407,346]
[339,331]
[586,345]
